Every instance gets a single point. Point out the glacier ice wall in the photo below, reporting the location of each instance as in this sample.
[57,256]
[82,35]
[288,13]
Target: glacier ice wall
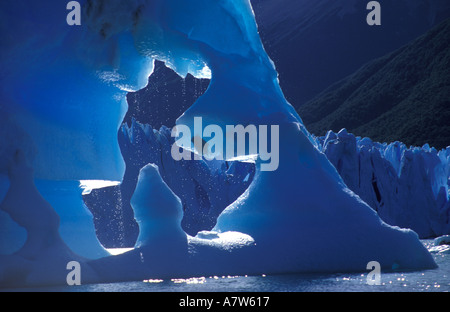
[408,187]
[365,167]
[165,98]
[282,223]
[205,187]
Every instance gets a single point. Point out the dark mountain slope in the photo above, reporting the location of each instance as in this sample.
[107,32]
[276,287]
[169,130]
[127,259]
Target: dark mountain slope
[315,43]
[403,96]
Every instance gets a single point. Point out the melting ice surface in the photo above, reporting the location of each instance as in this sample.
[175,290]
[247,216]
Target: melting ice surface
[63,92]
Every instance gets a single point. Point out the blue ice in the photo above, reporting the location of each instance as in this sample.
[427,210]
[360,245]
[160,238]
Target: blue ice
[64,89]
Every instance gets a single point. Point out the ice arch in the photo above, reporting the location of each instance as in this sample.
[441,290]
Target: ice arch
[298,218]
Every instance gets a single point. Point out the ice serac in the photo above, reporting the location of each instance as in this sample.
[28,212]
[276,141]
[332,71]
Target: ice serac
[407,186]
[159,212]
[161,248]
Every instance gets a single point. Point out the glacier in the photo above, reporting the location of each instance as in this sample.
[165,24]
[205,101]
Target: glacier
[205,187]
[370,169]
[406,186]
[64,88]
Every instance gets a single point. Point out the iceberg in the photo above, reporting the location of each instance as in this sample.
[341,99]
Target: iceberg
[441,245]
[76,80]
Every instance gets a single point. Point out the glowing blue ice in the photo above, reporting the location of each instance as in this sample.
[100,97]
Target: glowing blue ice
[408,187]
[67,96]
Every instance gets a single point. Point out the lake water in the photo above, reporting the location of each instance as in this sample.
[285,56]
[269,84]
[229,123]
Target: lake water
[437,280]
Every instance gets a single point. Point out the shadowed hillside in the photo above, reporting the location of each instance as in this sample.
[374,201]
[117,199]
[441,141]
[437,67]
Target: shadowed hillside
[403,96]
